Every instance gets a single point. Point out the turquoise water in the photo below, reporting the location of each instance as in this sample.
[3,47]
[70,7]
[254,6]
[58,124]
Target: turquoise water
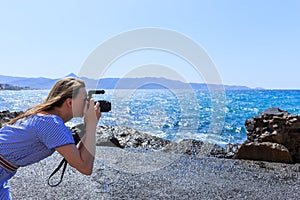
[177,114]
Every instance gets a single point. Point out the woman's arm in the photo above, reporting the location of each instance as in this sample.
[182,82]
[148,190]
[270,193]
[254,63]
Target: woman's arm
[83,158]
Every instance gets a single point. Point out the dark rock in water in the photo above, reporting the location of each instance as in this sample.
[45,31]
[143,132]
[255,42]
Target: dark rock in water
[123,137]
[130,138]
[6,116]
[102,139]
[274,135]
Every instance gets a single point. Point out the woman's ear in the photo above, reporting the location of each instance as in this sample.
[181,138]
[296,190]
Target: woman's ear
[68,102]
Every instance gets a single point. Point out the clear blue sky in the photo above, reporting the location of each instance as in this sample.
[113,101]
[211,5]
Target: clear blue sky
[252,42]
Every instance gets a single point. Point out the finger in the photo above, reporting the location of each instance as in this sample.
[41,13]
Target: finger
[97,105]
[98,110]
[90,104]
[91,101]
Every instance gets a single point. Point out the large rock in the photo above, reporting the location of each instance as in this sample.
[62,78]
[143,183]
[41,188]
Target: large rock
[266,151]
[274,135]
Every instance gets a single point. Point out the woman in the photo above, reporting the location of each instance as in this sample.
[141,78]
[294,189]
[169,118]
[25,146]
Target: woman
[41,130]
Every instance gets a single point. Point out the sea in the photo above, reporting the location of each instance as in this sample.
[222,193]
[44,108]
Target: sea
[176,115]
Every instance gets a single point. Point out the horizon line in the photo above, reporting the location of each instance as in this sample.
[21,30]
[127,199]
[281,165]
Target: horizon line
[192,82]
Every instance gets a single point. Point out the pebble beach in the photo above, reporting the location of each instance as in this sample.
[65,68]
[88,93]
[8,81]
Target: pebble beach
[122,174]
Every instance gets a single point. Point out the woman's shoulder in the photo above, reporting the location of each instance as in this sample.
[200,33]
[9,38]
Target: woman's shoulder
[47,117]
[49,123]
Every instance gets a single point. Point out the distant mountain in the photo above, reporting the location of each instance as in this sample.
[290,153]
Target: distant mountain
[34,83]
[113,83]
[72,75]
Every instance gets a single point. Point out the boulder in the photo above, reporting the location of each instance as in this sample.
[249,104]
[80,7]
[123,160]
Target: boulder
[274,135]
[264,151]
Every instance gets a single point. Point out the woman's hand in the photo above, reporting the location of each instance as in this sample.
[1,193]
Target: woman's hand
[92,114]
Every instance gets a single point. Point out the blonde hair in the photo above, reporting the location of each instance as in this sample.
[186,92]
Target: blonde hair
[63,89]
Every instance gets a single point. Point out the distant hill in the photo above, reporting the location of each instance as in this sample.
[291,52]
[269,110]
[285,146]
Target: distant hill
[113,83]
[34,83]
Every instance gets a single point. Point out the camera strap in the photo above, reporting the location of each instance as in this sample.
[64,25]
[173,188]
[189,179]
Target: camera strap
[76,132]
[63,163]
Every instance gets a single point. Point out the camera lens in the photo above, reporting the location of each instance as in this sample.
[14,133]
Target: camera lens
[105,106]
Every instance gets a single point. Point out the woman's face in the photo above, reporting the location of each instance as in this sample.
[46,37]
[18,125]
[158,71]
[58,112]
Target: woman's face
[79,105]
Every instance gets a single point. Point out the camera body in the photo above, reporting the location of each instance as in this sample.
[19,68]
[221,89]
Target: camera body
[105,106]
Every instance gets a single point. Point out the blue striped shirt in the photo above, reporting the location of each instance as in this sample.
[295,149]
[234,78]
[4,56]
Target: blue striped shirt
[34,138]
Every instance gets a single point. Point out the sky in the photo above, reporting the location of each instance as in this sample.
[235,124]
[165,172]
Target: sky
[252,43]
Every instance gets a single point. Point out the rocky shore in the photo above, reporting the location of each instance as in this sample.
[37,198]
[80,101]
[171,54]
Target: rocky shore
[133,165]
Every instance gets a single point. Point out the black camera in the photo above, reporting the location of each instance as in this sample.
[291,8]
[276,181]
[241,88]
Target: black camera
[105,106]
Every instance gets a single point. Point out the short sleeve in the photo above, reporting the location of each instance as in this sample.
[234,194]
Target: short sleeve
[52,132]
